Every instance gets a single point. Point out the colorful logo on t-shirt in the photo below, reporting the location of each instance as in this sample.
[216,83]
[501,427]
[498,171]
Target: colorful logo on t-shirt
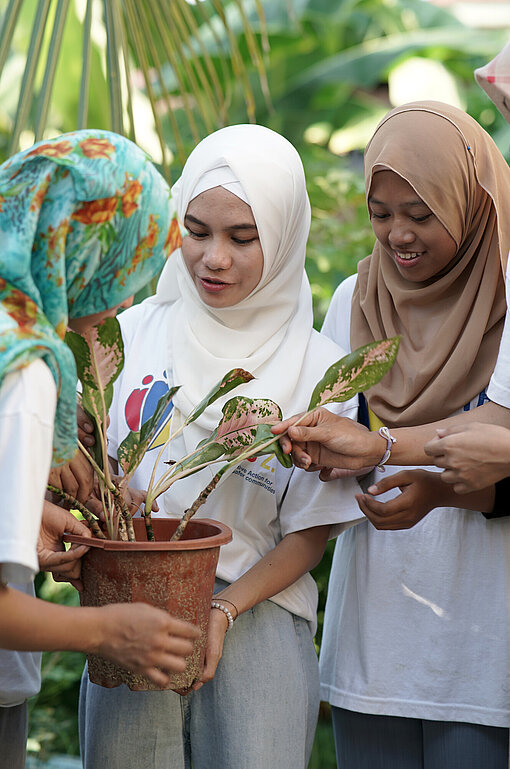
[141,405]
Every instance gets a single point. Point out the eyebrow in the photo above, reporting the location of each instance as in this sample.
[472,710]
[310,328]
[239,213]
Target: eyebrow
[407,203]
[241,226]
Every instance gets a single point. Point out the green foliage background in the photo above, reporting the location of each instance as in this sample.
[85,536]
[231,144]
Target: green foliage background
[329,66]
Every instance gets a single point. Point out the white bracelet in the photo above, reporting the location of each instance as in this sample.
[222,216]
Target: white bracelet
[228,615]
[390,440]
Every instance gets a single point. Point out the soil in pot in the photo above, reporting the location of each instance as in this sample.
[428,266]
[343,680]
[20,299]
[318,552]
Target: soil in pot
[175,576]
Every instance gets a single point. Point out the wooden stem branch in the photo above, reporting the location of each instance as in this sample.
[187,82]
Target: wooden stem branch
[89,518]
[199,501]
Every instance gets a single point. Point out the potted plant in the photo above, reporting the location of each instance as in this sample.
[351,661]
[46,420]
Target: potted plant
[170,562]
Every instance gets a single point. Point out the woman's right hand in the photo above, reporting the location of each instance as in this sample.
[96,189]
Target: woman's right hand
[143,639]
[473,455]
[324,440]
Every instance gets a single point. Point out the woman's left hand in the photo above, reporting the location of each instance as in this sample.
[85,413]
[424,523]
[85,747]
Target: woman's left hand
[421,493]
[64,564]
[218,625]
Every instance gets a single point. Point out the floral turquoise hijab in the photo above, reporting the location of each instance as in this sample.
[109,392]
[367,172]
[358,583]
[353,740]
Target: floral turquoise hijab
[85,221]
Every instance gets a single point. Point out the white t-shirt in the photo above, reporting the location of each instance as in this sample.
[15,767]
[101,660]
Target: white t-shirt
[416,621]
[499,386]
[27,410]
[261,501]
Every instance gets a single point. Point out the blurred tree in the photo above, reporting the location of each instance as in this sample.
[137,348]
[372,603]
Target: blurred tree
[126,65]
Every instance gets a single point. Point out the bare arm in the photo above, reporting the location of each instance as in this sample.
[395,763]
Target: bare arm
[325,440]
[137,636]
[295,555]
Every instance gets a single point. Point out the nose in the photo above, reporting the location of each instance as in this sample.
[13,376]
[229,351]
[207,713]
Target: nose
[216,255]
[401,233]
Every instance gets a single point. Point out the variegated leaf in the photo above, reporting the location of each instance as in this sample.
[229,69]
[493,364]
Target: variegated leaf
[262,436]
[241,416]
[100,355]
[206,451]
[234,378]
[356,372]
[246,423]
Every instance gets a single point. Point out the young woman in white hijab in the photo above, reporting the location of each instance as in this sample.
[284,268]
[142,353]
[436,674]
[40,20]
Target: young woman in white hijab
[235,295]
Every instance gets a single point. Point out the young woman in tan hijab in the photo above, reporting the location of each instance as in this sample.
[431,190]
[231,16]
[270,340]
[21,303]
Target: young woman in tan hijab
[415,654]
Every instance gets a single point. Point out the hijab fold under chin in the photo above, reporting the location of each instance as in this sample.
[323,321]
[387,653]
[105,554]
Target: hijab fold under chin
[451,325]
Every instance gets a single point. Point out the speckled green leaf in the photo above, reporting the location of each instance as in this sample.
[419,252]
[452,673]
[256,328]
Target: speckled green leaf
[99,355]
[356,372]
[234,378]
[241,416]
[99,360]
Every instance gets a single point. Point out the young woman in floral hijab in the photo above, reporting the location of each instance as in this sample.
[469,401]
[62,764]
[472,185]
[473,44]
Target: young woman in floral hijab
[84,223]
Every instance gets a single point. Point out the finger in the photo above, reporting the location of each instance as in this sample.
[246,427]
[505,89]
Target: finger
[211,664]
[382,522]
[385,509]
[449,476]
[157,676]
[183,629]
[440,460]
[302,434]
[387,483]
[286,444]
[434,447]
[282,427]
[334,473]
[68,481]
[74,526]
[300,457]
[464,488]
[60,558]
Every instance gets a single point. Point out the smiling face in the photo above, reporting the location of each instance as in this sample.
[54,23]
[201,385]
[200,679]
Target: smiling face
[407,229]
[222,250]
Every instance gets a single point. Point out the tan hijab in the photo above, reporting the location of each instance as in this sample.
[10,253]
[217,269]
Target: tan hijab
[450,325]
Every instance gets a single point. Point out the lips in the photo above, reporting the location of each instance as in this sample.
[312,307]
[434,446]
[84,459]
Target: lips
[408,255]
[213,284]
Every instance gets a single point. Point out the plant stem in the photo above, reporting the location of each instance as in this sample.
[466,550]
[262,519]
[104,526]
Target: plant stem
[91,521]
[148,525]
[112,488]
[125,513]
[199,501]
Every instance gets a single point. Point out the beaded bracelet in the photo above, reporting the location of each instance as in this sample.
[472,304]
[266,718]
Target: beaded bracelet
[232,604]
[228,615]
[390,440]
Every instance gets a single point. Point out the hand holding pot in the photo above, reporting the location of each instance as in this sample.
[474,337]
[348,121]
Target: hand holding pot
[51,551]
[218,625]
[144,639]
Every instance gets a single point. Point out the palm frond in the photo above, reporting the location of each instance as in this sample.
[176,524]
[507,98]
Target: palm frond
[185,61]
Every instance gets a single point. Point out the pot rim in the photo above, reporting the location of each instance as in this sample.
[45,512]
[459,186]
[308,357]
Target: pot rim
[222,536]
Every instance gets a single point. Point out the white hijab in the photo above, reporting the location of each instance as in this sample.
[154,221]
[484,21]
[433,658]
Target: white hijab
[268,332]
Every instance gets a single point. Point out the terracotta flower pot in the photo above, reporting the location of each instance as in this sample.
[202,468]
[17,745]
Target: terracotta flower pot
[176,576]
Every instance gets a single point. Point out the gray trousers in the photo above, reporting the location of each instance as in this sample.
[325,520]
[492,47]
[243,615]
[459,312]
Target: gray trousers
[13,736]
[365,741]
